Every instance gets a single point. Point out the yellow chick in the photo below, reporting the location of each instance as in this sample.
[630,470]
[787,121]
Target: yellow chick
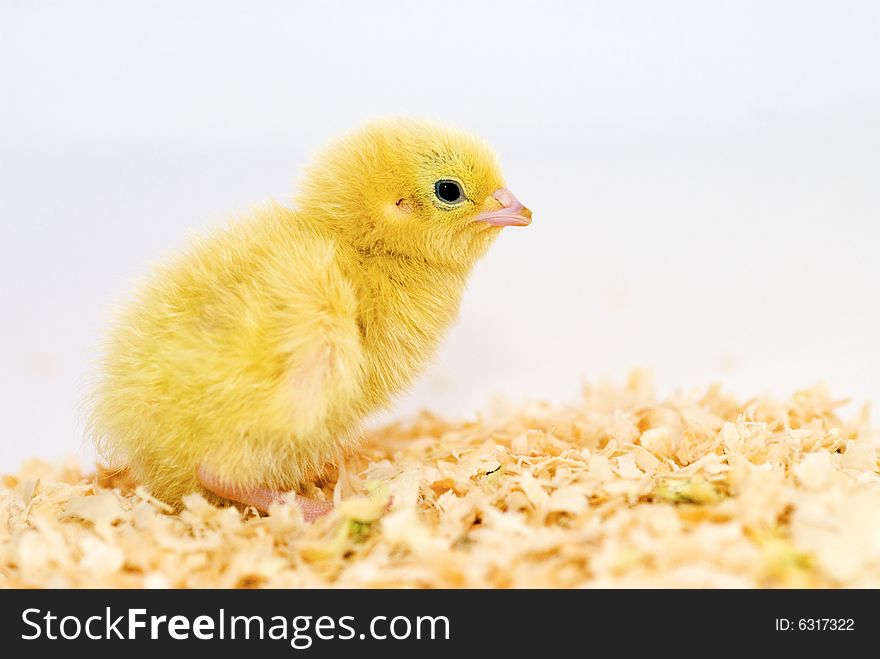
[246,363]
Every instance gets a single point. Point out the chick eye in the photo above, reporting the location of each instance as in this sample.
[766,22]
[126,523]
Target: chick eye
[448,191]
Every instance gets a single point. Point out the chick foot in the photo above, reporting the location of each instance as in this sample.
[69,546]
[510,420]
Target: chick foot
[261,498]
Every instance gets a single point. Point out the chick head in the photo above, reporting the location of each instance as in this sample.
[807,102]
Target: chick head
[413,189]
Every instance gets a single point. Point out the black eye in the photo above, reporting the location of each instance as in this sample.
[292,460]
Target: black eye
[448,191]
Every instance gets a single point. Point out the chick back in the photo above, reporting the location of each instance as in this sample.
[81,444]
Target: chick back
[242,354]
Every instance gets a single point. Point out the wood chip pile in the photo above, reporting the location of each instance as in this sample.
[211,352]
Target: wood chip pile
[619,489]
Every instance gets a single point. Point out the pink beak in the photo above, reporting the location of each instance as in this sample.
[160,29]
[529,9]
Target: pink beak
[514,214]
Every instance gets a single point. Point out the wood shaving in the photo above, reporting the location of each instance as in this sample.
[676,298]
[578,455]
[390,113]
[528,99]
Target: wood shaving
[618,490]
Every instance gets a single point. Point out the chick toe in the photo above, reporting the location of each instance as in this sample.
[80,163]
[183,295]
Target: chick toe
[261,497]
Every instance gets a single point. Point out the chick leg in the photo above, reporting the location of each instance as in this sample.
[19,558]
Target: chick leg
[261,497]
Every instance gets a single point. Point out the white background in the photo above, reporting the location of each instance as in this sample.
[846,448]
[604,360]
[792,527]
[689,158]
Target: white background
[705,179]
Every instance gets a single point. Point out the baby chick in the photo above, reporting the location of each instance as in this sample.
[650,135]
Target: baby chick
[246,363]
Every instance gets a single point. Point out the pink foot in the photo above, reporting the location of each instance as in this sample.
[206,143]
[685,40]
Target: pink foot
[261,497]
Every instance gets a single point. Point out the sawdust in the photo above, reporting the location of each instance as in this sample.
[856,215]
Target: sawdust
[619,489]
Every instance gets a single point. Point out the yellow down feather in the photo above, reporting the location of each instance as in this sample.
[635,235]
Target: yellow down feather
[257,351]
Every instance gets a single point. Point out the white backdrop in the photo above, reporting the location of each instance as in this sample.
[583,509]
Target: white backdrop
[704,178]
